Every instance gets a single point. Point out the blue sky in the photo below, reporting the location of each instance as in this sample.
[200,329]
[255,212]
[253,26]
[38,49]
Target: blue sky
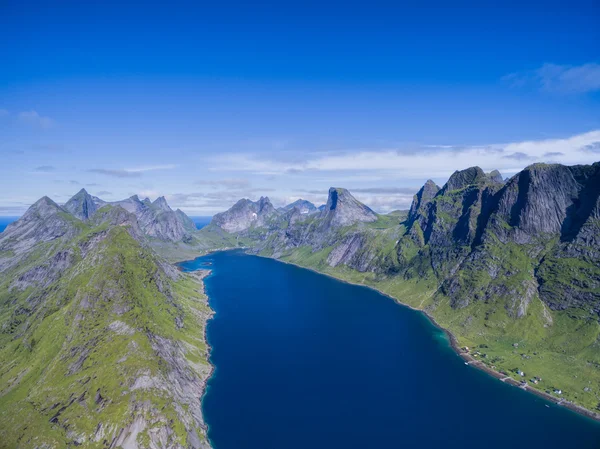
[207,104]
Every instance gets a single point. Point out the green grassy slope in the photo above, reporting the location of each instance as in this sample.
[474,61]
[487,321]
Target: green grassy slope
[111,351]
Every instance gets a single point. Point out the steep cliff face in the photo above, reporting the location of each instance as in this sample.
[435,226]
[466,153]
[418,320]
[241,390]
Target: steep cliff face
[422,198]
[101,341]
[342,209]
[510,242]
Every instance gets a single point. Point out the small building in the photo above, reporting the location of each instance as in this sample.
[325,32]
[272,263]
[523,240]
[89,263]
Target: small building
[558,391]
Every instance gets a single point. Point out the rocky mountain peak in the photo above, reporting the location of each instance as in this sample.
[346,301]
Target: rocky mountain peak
[245,214]
[304,206]
[264,205]
[82,205]
[342,209]
[42,222]
[496,176]
[421,198]
[161,204]
[463,178]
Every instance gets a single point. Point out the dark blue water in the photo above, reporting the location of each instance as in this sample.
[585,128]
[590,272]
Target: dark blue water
[305,361]
[5,221]
[200,222]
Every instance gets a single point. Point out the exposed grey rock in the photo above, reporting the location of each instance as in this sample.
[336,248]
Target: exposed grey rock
[305,207]
[463,178]
[82,205]
[187,222]
[496,176]
[158,220]
[245,214]
[342,209]
[43,222]
[421,199]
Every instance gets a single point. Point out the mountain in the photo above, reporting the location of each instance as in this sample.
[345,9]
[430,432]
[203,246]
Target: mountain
[305,207]
[246,214]
[342,209]
[101,340]
[157,219]
[83,205]
[499,263]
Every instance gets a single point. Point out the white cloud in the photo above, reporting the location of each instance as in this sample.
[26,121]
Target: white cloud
[557,78]
[437,162]
[150,168]
[33,118]
[227,183]
[130,172]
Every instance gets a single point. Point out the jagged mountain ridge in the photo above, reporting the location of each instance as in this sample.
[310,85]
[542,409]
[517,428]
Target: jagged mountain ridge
[156,218]
[305,207]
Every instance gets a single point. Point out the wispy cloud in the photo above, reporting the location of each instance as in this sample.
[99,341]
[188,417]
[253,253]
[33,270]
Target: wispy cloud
[388,190]
[564,79]
[130,172]
[228,183]
[427,162]
[116,173]
[104,192]
[519,156]
[151,168]
[34,118]
[44,169]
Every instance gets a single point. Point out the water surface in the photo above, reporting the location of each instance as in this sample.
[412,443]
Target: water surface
[307,362]
[200,222]
[5,221]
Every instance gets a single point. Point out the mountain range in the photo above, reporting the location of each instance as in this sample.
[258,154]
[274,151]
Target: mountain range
[102,338]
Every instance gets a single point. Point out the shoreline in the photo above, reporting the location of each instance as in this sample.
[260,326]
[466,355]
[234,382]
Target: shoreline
[201,274]
[469,360]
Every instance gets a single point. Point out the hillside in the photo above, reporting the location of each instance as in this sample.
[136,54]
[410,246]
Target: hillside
[101,340]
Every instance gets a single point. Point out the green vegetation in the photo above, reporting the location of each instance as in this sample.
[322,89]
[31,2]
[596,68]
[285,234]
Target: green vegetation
[81,356]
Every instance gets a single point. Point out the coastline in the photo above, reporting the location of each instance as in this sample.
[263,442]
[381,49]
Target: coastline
[201,274]
[469,360]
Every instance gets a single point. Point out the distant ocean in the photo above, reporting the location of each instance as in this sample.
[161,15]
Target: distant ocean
[5,221]
[200,222]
